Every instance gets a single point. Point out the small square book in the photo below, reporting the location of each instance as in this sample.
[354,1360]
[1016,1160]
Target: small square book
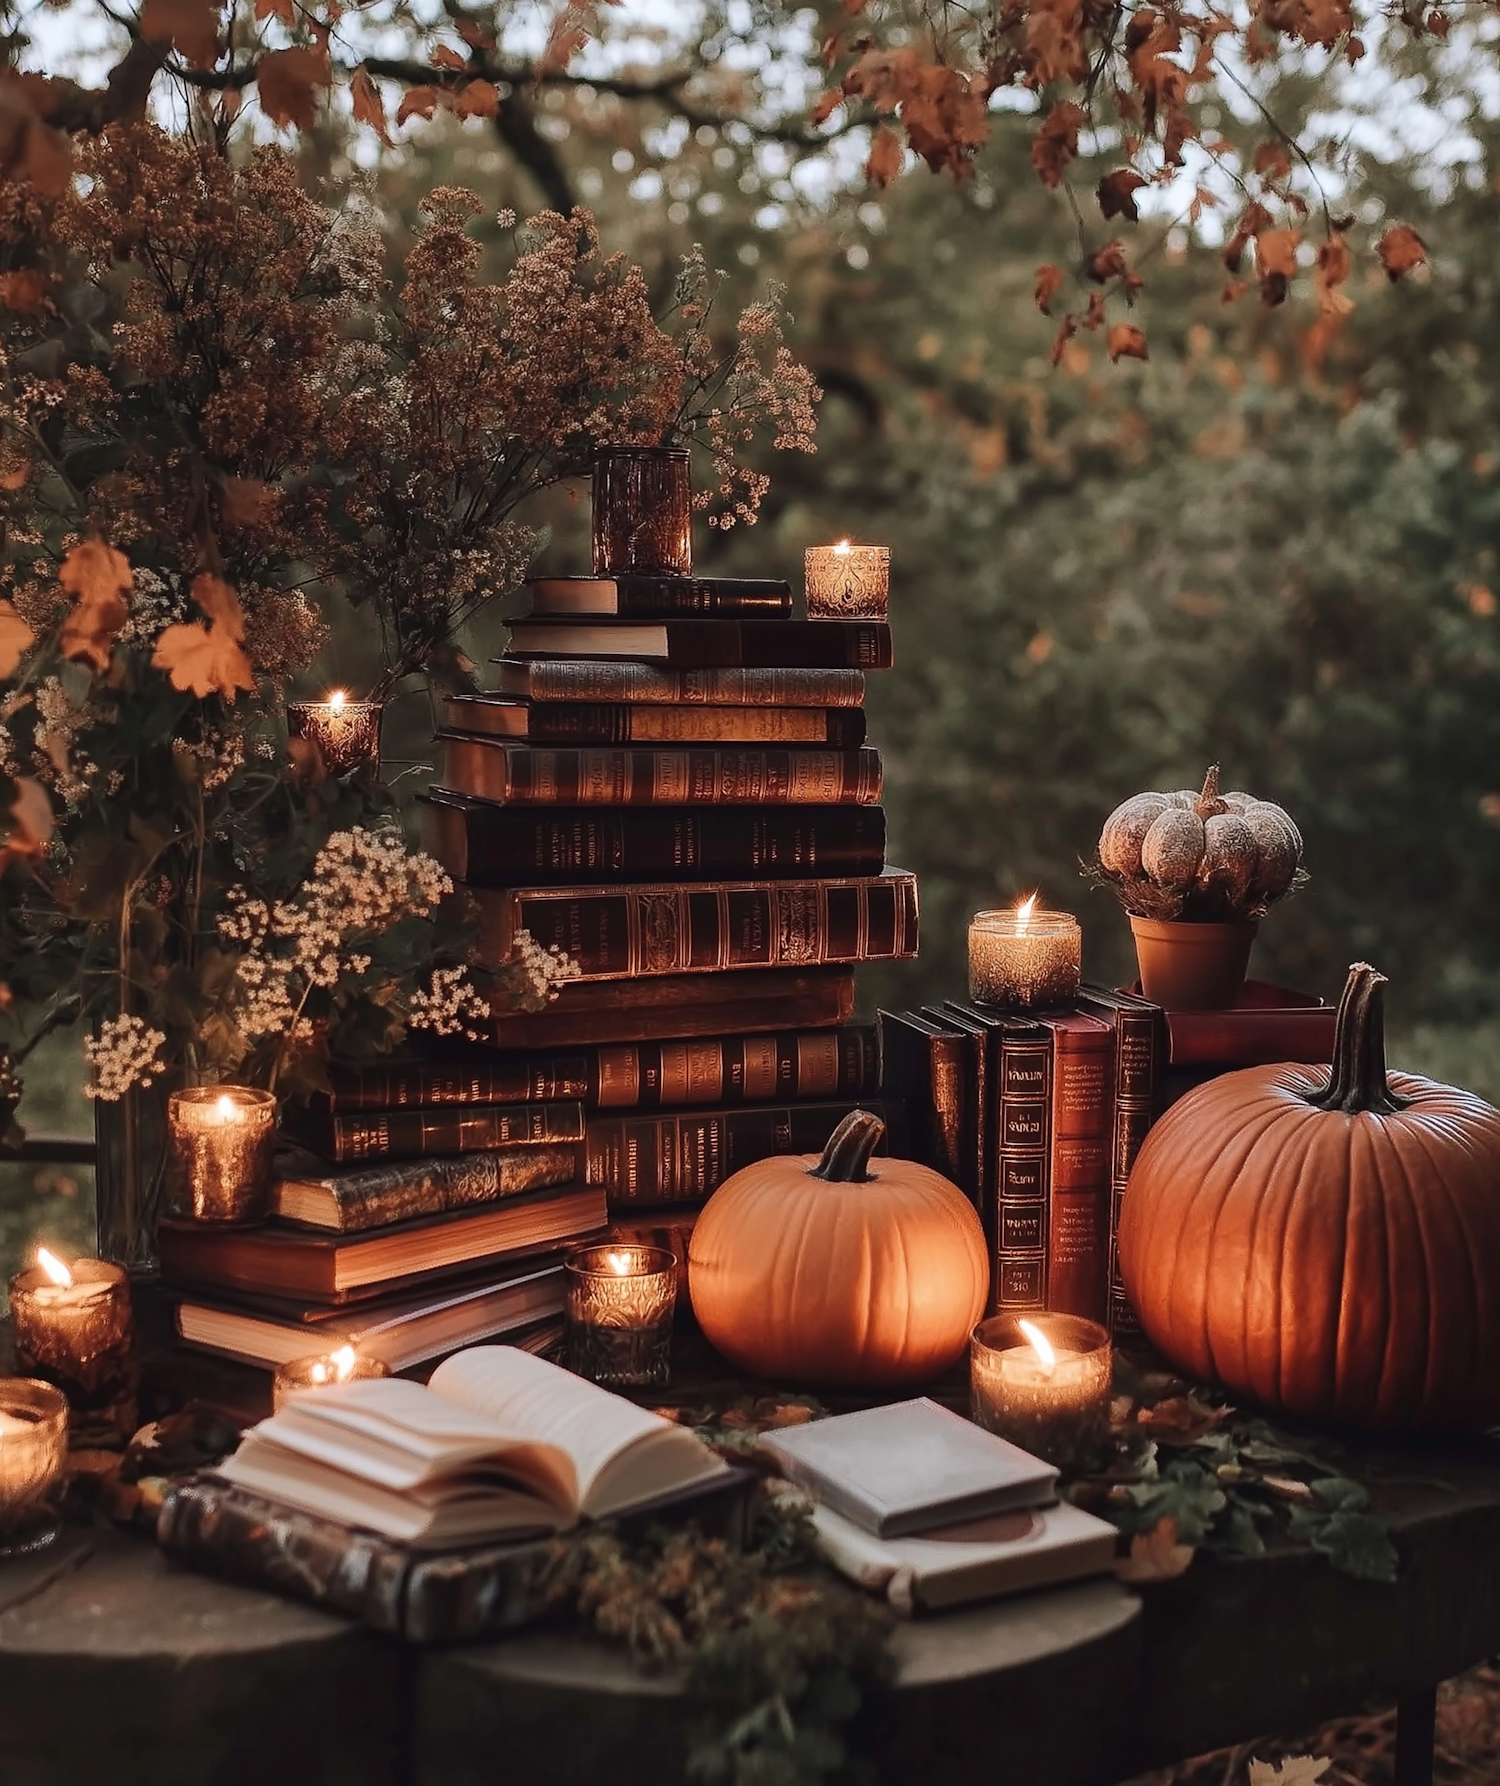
[498,1445]
[910,1466]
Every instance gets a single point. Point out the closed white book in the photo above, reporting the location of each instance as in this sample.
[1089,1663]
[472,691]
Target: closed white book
[910,1466]
[1004,1553]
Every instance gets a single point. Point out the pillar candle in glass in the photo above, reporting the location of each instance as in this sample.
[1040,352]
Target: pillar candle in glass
[620,1304]
[1043,1382]
[847,582]
[323,1371]
[643,512]
[72,1327]
[33,1452]
[219,1153]
[346,732]
[1023,958]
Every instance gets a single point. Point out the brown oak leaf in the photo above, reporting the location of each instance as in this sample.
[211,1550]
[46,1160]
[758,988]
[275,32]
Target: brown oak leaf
[886,156]
[208,660]
[25,290]
[289,81]
[369,107]
[1048,281]
[1155,1555]
[1056,143]
[16,638]
[99,581]
[1400,249]
[1125,341]
[1116,193]
[191,26]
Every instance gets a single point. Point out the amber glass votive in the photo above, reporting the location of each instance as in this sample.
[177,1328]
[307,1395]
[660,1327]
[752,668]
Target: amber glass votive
[72,1326]
[1023,958]
[620,1305]
[33,1452]
[323,1370]
[1043,1382]
[643,512]
[346,732]
[847,582]
[219,1153]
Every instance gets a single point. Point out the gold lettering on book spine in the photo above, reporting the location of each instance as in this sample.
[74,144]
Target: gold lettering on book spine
[799,928]
[661,933]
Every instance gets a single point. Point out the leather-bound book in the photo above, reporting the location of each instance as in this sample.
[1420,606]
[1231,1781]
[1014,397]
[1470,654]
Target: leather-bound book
[600,679]
[927,1064]
[712,644]
[1082,1132]
[580,723]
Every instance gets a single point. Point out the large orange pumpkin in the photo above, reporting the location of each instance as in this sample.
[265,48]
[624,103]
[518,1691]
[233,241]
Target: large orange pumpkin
[834,1272]
[1326,1243]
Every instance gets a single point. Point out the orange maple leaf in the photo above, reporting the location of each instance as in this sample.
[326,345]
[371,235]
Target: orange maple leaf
[445,56]
[476,99]
[99,580]
[1048,281]
[1155,1555]
[191,26]
[1125,341]
[1056,143]
[205,660]
[1276,262]
[16,638]
[886,156]
[417,102]
[288,82]
[369,107]
[1116,193]
[1400,249]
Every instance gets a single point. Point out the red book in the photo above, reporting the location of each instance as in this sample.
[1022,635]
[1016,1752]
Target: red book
[1270,1023]
[1083,1108]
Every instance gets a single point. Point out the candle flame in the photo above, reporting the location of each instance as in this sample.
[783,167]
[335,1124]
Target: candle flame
[54,1268]
[619,1263]
[1023,914]
[337,699]
[843,548]
[226,1109]
[343,1364]
[1040,1344]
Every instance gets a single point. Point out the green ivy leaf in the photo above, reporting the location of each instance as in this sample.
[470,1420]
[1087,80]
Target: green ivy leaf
[1355,1543]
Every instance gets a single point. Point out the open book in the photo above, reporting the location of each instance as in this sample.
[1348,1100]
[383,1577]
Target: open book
[498,1445]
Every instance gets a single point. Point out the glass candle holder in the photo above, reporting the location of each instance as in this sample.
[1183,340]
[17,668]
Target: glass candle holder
[73,1329]
[643,512]
[1043,1382]
[620,1305]
[346,732]
[847,582]
[33,1453]
[219,1153]
[323,1370]
[1023,958]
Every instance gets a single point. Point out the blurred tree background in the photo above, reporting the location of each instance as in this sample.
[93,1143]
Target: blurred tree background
[1260,547]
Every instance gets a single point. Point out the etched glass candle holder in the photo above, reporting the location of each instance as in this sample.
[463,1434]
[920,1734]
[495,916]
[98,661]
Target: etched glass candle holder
[219,1153]
[1043,1382]
[346,732]
[847,582]
[33,1453]
[643,512]
[323,1370]
[620,1305]
[72,1327]
[1024,959]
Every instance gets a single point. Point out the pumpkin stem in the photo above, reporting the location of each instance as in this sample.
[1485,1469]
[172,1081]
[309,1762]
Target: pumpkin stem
[1208,802]
[846,1159]
[1357,1079]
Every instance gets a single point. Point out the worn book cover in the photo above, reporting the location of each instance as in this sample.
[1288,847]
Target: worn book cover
[449,1129]
[926,1064]
[618,722]
[638,597]
[1082,1132]
[378,1196]
[709,644]
[597,679]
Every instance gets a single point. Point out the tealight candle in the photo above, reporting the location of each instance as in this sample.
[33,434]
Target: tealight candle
[1024,958]
[1043,1382]
[620,1305]
[346,732]
[323,1371]
[219,1153]
[847,582]
[72,1329]
[33,1451]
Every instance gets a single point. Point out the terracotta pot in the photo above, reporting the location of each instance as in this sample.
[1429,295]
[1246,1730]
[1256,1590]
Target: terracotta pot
[1189,966]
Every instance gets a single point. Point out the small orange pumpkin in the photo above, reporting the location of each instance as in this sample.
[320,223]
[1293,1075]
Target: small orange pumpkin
[820,1270]
[1327,1246]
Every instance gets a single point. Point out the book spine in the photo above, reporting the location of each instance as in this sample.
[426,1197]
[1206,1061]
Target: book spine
[928,1071]
[588,679]
[737,644]
[522,775]
[629,931]
[1138,1042]
[402,1191]
[1082,1123]
[1022,1169]
[605,723]
[428,1085]
[388,1134]
[727,598]
[685,1156]
[738,1069]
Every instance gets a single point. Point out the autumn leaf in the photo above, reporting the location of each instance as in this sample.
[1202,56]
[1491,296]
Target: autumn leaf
[16,638]
[1125,341]
[288,81]
[417,102]
[1116,193]
[1155,1555]
[1108,263]
[1056,143]
[567,37]
[245,502]
[1276,263]
[1048,281]
[1253,220]
[886,156]
[1271,161]
[369,107]
[827,105]
[285,10]
[477,99]
[30,149]
[191,26]
[1296,1770]
[444,56]
[1067,329]
[98,578]
[31,822]
[1400,249]
[24,290]
[208,660]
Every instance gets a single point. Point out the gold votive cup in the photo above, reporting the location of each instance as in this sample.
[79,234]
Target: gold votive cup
[346,732]
[1024,960]
[621,1300]
[847,582]
[33,1455]
[643,511]
[73,1329]
[323,1370]
[1057,1408]
[219,1141]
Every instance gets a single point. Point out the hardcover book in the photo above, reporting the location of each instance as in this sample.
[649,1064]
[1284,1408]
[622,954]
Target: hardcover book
[1082,1129]
[587,679]
[525,775]
[485,845]
[980,1064]
[622,933]
[662,598]
[379,1196]
[390,1134]
[617,722]
[926,1065]
[708,644]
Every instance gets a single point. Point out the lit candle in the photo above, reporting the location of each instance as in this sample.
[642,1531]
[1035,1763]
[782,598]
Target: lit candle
[847,582]
[346,732]
[323,1371]
[620,1305]
[219,1153]
[72,1328]
[1042,1382]
[1024,958]
[33,1450]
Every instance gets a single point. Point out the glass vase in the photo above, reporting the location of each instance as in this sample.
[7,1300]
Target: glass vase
[130,1136]
[643,512]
